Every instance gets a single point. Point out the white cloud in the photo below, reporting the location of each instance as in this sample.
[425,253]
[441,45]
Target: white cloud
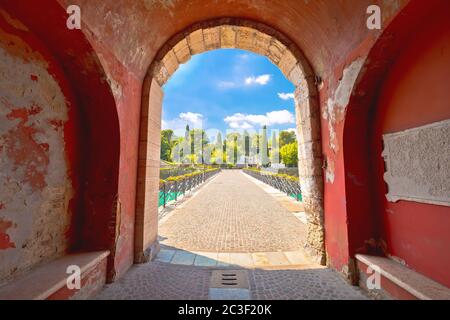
[247,121]
[261,80]
[240,125]
[178,124]
[280,117]
[286,96]
[194,118]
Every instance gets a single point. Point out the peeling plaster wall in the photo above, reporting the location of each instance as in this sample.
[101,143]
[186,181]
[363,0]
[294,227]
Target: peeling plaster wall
[35,186]
[415,94]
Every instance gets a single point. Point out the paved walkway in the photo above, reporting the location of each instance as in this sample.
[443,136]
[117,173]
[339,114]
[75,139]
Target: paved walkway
[233,229]
[233,214]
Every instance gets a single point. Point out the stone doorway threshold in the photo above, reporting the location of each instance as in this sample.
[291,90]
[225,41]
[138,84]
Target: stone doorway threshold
[251,260]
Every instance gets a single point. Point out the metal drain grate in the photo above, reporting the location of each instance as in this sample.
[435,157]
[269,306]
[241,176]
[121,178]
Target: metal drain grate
[229,279]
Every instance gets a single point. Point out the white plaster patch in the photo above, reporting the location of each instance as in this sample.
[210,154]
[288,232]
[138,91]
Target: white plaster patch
[345,88]
[334,110]
[418,164]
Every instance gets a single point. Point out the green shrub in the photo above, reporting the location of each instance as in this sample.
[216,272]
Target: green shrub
[187,175]
[289,154]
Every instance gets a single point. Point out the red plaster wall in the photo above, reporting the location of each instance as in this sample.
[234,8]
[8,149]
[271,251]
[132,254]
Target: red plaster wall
[38,150]
[94,225]
[415,93]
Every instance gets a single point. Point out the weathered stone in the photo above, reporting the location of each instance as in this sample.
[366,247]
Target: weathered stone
[296,76]
[310,167]
[170,62]
[287,63]
[182,51]
[310,150]
[211,38]
[262,43]
[227,37]
[196,42]
[311,187]
[314,207]
[302,91]
[160,74]
[308,108]
[309,129]
[245,38]
[276,51]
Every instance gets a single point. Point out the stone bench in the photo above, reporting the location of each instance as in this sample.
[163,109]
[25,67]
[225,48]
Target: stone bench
[399,281]
[49,281]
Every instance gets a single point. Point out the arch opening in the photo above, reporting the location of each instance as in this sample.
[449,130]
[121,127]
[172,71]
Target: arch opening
[254,37]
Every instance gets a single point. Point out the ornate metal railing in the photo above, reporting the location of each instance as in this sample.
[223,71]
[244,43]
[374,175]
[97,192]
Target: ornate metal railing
[287,184]
[175,187]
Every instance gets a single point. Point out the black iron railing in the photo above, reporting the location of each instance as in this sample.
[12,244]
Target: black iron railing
[287,184]
[175,187]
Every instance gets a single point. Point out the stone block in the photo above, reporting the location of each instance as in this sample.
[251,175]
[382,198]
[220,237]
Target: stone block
[245,38]
[160,74]
[182,51]
[228,37]
[296,76]
[170,62]
[262,43]
[276,51]
[309,150]
[287,63]
[211,38]
[196,42]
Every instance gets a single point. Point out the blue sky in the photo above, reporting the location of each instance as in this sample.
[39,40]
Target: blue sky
[228,89]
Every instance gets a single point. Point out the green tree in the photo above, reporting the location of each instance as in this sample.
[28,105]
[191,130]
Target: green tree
[199,141]
[289,154]
[246,144]
[166,145]
[274,150]
[287,137]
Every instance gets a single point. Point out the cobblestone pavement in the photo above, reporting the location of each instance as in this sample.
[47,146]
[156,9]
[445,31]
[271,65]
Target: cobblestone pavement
[244,227]
[161,281]
[233,214]
[309,284]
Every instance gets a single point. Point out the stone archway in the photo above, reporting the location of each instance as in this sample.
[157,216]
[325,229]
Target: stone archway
[219,34]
